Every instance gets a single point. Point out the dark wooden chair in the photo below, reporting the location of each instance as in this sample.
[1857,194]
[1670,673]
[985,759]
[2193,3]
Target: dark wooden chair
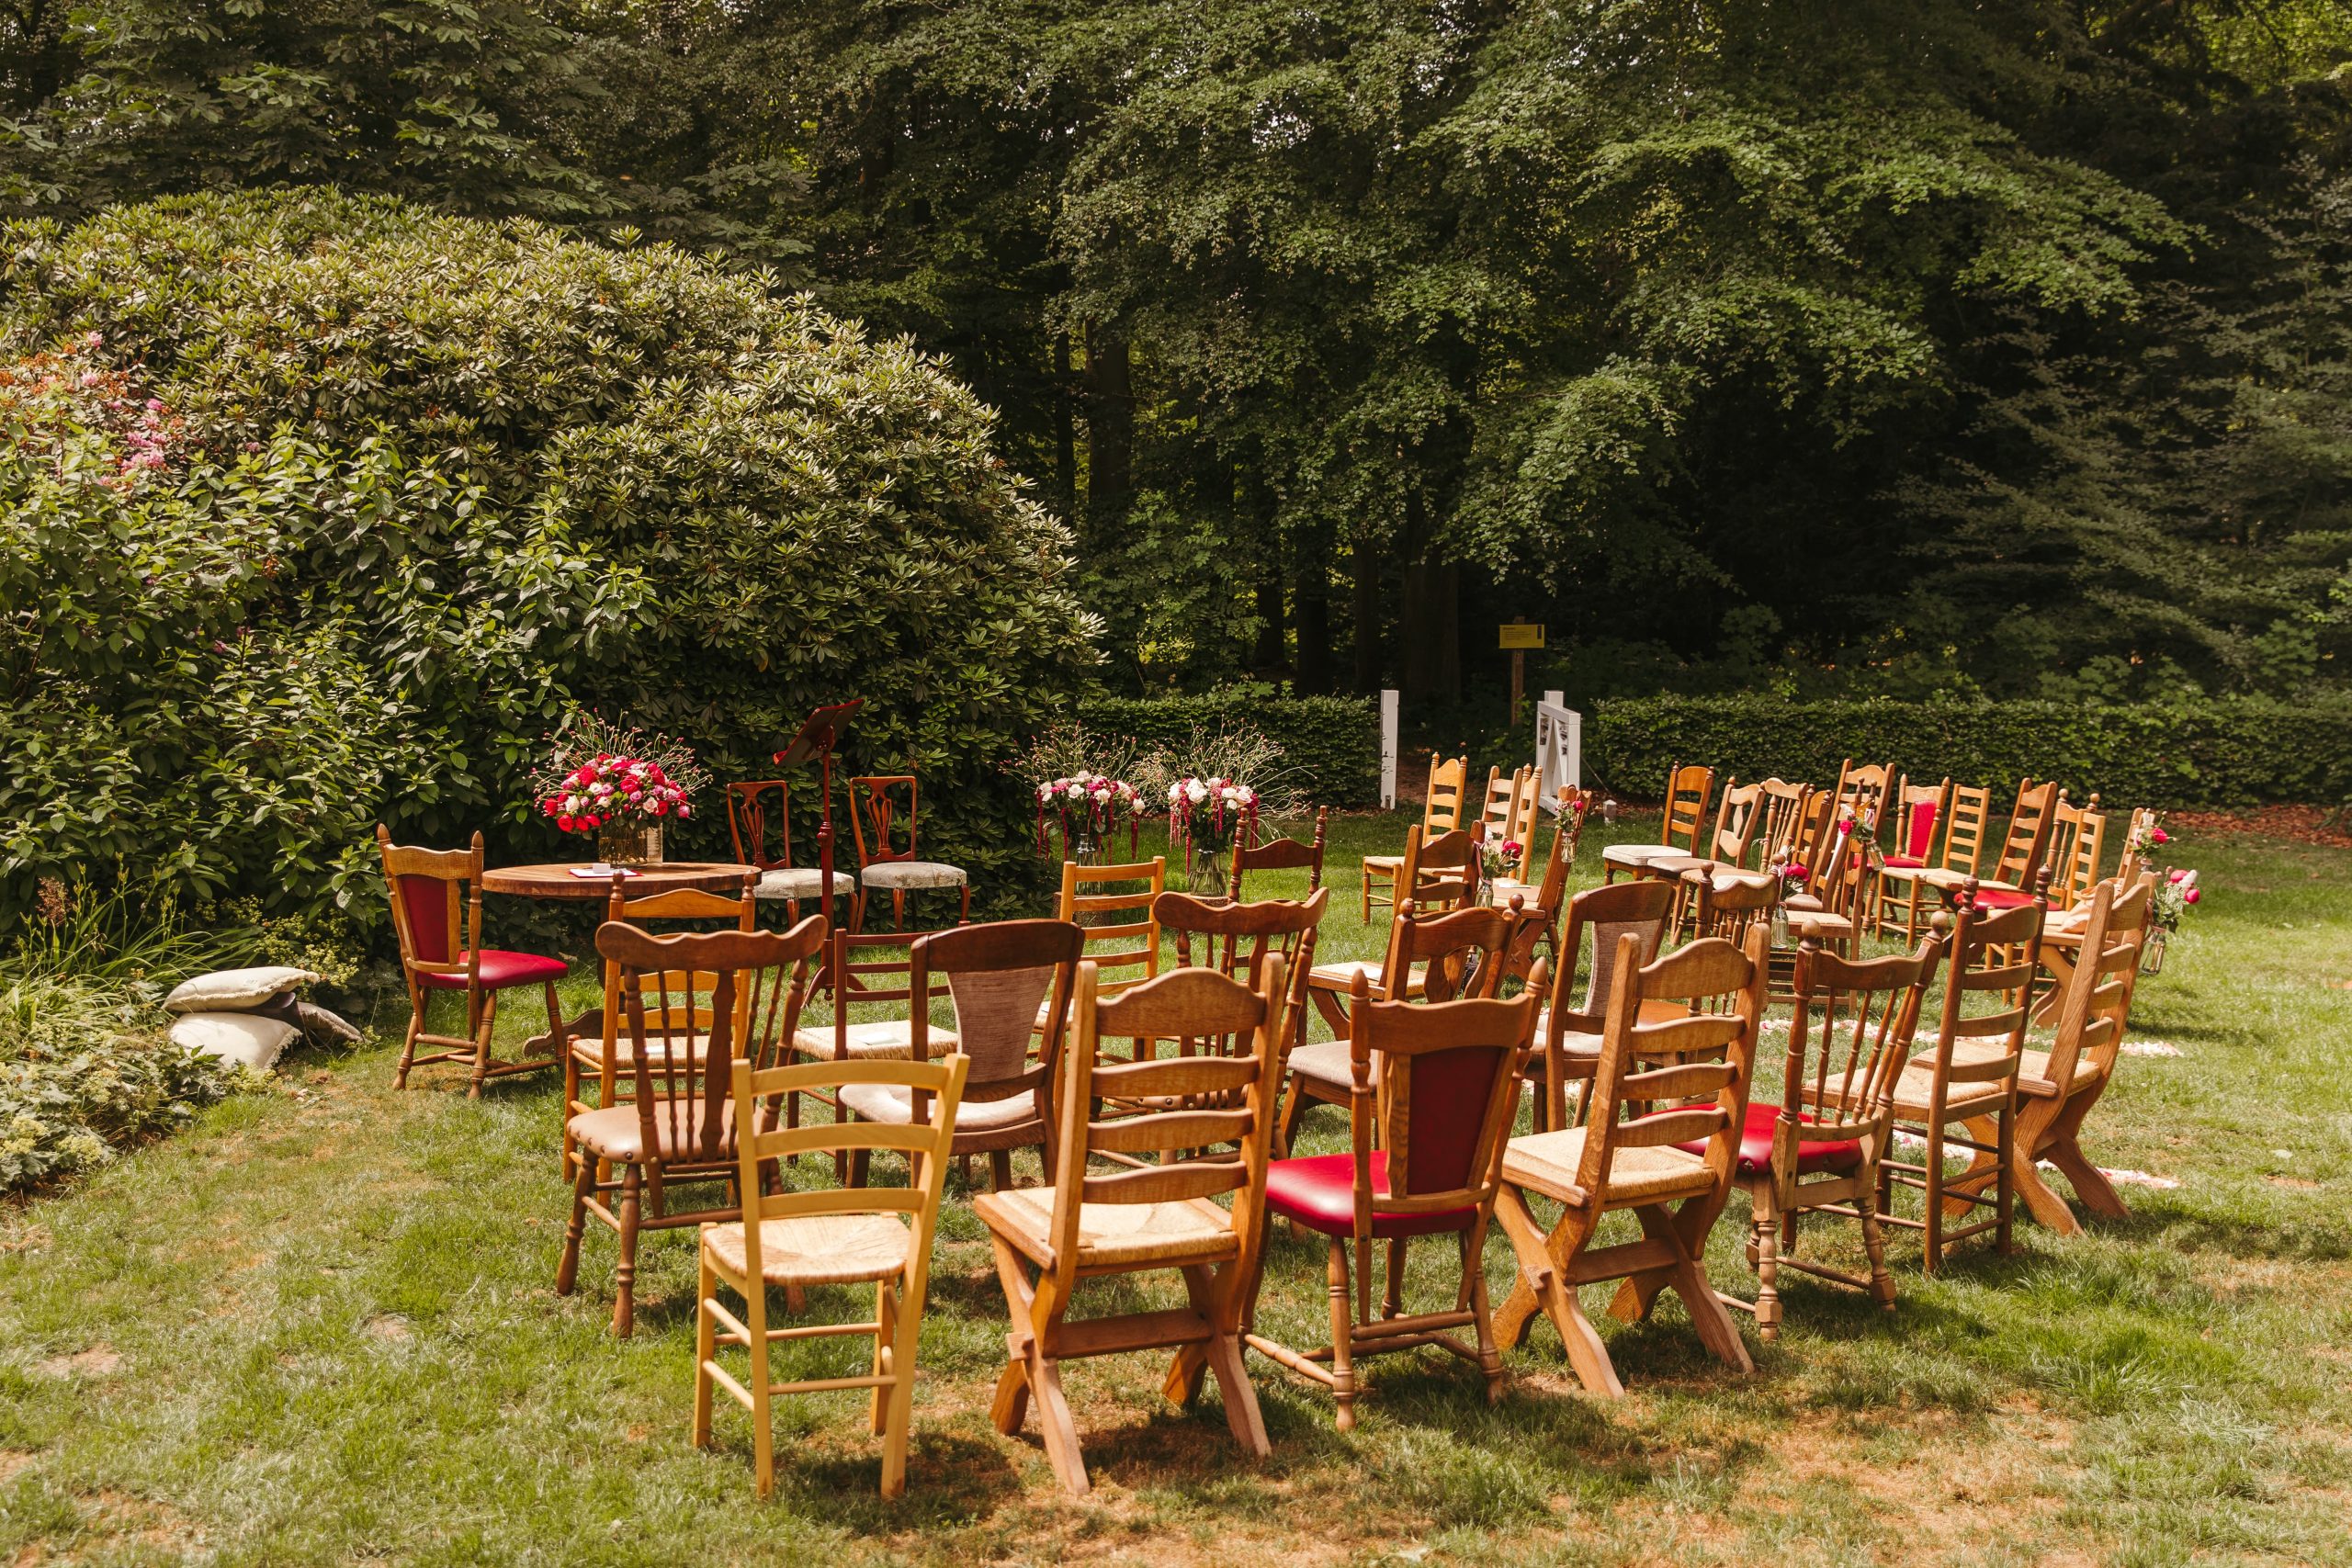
[1281,854]
[759,820]
[882,864]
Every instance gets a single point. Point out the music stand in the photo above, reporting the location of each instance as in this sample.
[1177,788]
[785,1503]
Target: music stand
[815,743]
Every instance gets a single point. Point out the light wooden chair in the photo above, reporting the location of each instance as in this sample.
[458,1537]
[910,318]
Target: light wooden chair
[1570,1037]
[692,1002]
[1728,907]
[1281,854]
[1612,1163]
[441,949]
[1966,808]
[1818,1150]
[1508,814]
[1681,829]
[882,866]
[747,823]
[1968,1079]
[1436,1088]
[1547,894]
[832,1237]
[1122,934]
[1134,1220]
[2024,848]
[1239,940]
[1861,791]
[1441,813]
[1738,815]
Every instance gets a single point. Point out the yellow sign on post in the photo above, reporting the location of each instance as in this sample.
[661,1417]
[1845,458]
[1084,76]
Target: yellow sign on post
[1522,635]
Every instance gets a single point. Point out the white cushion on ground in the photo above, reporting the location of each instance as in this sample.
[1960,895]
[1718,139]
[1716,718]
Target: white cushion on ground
[234,991]
[907,873]
[239,1037]
[894,1102]
[798,882]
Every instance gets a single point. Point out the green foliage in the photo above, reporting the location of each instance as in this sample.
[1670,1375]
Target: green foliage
[1330,746]
[2215,752]
[434,482]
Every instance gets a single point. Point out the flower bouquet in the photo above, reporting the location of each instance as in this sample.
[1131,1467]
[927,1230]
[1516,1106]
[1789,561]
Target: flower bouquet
[1498,858]
[1092,805]
[620,784]
[1206,816]
[2175,894]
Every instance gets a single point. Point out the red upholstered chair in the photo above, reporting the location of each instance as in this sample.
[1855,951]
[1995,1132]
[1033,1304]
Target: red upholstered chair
[439,954]
[1920,811]
[1441,1082]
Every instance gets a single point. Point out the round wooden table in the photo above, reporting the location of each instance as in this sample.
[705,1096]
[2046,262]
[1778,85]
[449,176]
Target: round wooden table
[556,880]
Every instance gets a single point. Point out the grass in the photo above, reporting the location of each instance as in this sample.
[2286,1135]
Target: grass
[320,1328]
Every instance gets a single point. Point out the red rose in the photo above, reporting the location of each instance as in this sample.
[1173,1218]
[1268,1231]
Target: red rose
[564,823]
[2159,837]
[2193,895]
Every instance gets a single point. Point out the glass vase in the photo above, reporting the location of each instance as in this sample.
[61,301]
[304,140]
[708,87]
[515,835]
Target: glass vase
[629,842]
[1204,870]
[2151,954]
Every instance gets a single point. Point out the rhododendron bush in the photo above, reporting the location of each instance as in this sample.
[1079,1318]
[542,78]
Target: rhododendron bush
[315,510]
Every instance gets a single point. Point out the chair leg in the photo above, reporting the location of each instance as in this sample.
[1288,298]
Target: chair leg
[408,1046]
[1343,1374]
[1689,1278]
[1542,1288]
[1000,1170]
[1216,1297]
[705,1344]
[898,908]
[1767,1244]
[625,1274]
[1482,1318]
[1392,1304]
[901,1417]
[885,1320]
[566,1272]
[1932,1254]
[488,1022]
[761,1386]
[1874,1244]
[1286,1122]
[965,915]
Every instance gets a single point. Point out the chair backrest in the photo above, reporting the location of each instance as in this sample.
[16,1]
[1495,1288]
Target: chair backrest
[1237,938]
[1698,1067]
[713,998]
[1436,1086]
[1122,934]
[1644,908]
[1281,854]
[1442,806]
[1464,949]
[1737,816]
[1919,810]
[2028,841]
[1848,1041]
[998,977]
[1688,786]
[1576,805]
[1843,867]
[1218,1099]
[874,817]
[1988,988]
[1550,894]
[684,904]
[436,903]
[2097,1004]
[1510,811]
[753,808]
[2077,845]
[1727,909]
[1971,810]
[1441,870]
[869,973]
[1782,810]
[1862,791]
[1525,806]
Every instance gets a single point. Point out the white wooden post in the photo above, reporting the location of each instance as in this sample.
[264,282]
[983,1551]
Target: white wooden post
[1559,748]
[1387,748]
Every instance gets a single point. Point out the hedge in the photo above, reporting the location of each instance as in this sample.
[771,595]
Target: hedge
[1331,743]
[2228,751]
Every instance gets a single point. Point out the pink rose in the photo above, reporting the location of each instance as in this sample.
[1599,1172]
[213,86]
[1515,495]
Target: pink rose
[2177,876]
[2159,837]
[2193,895]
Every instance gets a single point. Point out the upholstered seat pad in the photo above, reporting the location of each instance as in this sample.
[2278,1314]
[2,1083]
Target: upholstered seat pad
[798,882]
[1814,1155]
[1193,1230]
[816,1249]
[904,875]
[1319,1193]
[1640,854]
[500,969]
[1547,1162]
[895,1103]
[613,1133]
[1903,863]
[2002,898]
[876,1039]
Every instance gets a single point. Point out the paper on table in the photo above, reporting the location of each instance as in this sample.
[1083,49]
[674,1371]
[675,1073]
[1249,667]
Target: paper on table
[604,873]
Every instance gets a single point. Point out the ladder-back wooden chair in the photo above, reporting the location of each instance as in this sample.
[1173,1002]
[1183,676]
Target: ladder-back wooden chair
[2056,1088]
[1238,938]
[1435,1087]
[1967,810]
[997,978]
[1962,1093]
[870,981]
[759,821]
[1281,854]
[1861,791]
[1569,1037]
[1818,1150]
[1441,813]
[882,864]
[694,1003]
[1681,829]
[2060,830]
[1547,894]
[1509,816]
[828,1236]
[1141,1219]
[1698,1067]
[436,914]
[1115,903]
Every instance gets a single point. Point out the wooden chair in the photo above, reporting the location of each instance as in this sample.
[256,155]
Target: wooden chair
[1570,1037]
[1682,827]
[870,978]
[1122,934]
[1462,952]
[1546,897]
[1441,813]
[440,952]
[748,822]
[1861,791]
[1968,1080]
[1438,1085]
[1818,1150]
[998,977]
[1508,814]
[1968,806]
[1738,815]
[695,1002]
[1919,810]
[1728,907]
[2057,1089]
[831,1237]
[1137,1219]
[2078,848]
[587,1068]
[1612,1164]
[873,819]
[1237,938]
[1281,854]
[2024,849]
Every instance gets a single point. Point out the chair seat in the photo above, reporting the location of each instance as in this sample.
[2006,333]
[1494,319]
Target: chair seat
[1814,1156]
[1902,862]
[1319,1193]
[895,1103]
[1819,924]
[1547,1162]
[1989,897]
[1192,1230]
[1640,854]
[1342,977]
[905,875]
[1328,1064]
[815,1249]
[613,1133]
[881,1039]
[588,1048]
[2033,1067]
[797,883]
[1389,864]
[1913,1089]
[500,969]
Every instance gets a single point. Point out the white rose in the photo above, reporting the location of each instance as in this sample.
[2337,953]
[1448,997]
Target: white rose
[1197,790]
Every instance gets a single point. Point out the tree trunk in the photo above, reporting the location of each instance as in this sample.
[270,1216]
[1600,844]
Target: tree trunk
[1431,627]
[1110,428]
[1311,593]
[1065,430]
[1366,608]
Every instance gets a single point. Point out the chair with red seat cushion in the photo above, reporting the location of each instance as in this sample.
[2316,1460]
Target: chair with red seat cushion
[1961,810]
[1439,1083]
[1814,1154]
[437,955]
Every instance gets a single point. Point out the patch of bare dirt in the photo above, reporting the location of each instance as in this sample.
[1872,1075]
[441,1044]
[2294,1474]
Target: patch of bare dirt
[2302,824]
[99,1360]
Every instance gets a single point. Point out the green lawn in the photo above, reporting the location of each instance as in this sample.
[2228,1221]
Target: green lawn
[321,1327]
